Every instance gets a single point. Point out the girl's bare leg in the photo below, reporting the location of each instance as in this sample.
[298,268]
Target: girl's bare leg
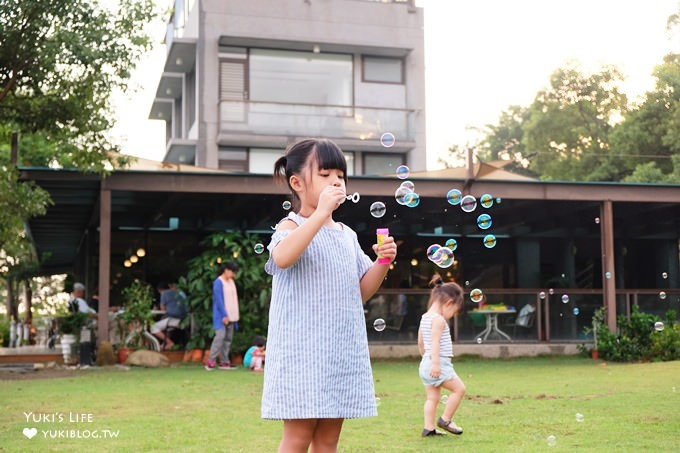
[297,435]
[457,388]
[327,435]
[432,395]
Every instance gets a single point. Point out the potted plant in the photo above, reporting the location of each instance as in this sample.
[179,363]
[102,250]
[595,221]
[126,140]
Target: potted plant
[134,317]
[70,326]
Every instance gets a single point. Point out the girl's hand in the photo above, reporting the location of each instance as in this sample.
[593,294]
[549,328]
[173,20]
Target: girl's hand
[329,199]
[435,371]
[387,250]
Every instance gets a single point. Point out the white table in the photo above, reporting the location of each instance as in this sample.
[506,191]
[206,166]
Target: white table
[492,323]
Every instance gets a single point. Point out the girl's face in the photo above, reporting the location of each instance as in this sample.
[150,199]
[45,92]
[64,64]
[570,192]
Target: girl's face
[315,180]
[449,309]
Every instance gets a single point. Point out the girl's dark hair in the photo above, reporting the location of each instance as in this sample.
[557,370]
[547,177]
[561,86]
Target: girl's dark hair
[259,341]
[326,154]
[444,291]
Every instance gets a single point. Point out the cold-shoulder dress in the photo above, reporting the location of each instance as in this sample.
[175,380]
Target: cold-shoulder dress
[317,363]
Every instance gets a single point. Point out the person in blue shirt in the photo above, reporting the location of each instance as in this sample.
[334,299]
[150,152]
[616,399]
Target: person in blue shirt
[254,357]
[225,316]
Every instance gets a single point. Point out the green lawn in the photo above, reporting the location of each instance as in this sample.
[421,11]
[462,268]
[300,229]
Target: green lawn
[511,405]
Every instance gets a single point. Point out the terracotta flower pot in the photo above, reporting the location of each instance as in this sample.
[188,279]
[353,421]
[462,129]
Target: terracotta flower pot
[206,356]
[237,359]
[123,354]
[594,354]
[187,356]
[196,355]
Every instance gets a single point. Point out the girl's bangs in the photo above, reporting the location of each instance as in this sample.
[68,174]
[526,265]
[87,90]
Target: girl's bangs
[330,157]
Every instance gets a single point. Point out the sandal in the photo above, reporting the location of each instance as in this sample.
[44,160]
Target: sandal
[449,426]
[428,433]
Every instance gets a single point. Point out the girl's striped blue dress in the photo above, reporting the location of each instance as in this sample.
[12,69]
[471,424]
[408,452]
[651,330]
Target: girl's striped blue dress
[317,363]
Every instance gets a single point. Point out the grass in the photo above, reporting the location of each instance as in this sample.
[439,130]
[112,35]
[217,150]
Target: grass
[511,405]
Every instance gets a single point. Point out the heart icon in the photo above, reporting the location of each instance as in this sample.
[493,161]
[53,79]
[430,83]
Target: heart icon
[30,432]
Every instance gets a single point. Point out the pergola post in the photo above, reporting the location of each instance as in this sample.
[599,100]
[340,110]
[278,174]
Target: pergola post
[104,264]
[608,284]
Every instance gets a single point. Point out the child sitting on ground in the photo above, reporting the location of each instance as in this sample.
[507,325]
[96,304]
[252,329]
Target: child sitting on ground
[254,358]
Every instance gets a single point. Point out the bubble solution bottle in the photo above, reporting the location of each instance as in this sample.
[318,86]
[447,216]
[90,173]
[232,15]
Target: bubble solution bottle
[382,233]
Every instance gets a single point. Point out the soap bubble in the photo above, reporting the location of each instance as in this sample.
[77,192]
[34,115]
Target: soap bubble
[286,205]
[467,282]
[579,417]
[597,220]
[452,244]
[551,291]
[378,209]
[476,295]
[484,221]
[565,298]
[454,196]
[387,139]
[658,326]
[377,401]
[409,185]
[412,200]
[489,241]
[355,197]
[379,325]
[259,248]
[479,340]
[432,250]
[443,257]
[499,200]
[468,203]
[552,441]
[401,193]
[444,399]
[541,295]
[662,295]
[576,311]
[607,275]
[403,172]
[486,200]
[664,275]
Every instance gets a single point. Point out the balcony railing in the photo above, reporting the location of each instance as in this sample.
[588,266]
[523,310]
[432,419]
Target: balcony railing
[361,123]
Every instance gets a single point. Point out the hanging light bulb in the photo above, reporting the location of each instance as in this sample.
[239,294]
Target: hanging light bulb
[141,252]
[127,263]
[134,259]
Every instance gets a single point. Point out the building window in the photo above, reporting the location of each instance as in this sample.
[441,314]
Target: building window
[382,164]
[383,69]
[232,159]
[295,77]
[261,160]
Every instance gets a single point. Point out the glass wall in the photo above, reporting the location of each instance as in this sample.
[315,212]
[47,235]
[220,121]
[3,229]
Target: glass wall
[296,77]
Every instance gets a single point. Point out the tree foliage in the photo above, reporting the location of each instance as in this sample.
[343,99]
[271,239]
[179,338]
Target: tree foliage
[60,60]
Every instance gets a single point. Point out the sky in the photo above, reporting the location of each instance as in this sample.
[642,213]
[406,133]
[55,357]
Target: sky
[481,56]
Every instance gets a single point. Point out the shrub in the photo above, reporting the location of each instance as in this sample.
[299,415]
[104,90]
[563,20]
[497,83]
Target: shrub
[636,338]
[252,283]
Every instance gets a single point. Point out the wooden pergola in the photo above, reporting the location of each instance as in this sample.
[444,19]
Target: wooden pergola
[143,200]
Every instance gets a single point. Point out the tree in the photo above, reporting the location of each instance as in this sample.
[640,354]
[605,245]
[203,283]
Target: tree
[59,62]
[569,123]
[650,135]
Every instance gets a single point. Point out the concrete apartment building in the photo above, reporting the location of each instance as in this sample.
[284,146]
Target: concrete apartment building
[243,79]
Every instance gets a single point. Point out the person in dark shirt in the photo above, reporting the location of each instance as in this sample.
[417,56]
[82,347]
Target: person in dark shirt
[175,310]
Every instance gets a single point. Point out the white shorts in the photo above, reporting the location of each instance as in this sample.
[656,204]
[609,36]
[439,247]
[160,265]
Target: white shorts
[164,323]
[447,373]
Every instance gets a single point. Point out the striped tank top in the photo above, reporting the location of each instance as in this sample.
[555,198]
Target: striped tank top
[445,343]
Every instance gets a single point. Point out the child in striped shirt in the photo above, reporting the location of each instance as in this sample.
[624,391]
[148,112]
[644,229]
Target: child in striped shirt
[436,348]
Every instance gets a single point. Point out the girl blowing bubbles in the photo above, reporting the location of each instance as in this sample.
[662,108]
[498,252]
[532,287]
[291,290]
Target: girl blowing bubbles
[434,343]
[318,370]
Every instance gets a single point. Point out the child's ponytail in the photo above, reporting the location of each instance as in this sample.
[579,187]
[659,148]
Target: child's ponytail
[445,291]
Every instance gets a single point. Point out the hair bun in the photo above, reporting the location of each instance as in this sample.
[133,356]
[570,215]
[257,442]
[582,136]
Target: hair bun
[436,281]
